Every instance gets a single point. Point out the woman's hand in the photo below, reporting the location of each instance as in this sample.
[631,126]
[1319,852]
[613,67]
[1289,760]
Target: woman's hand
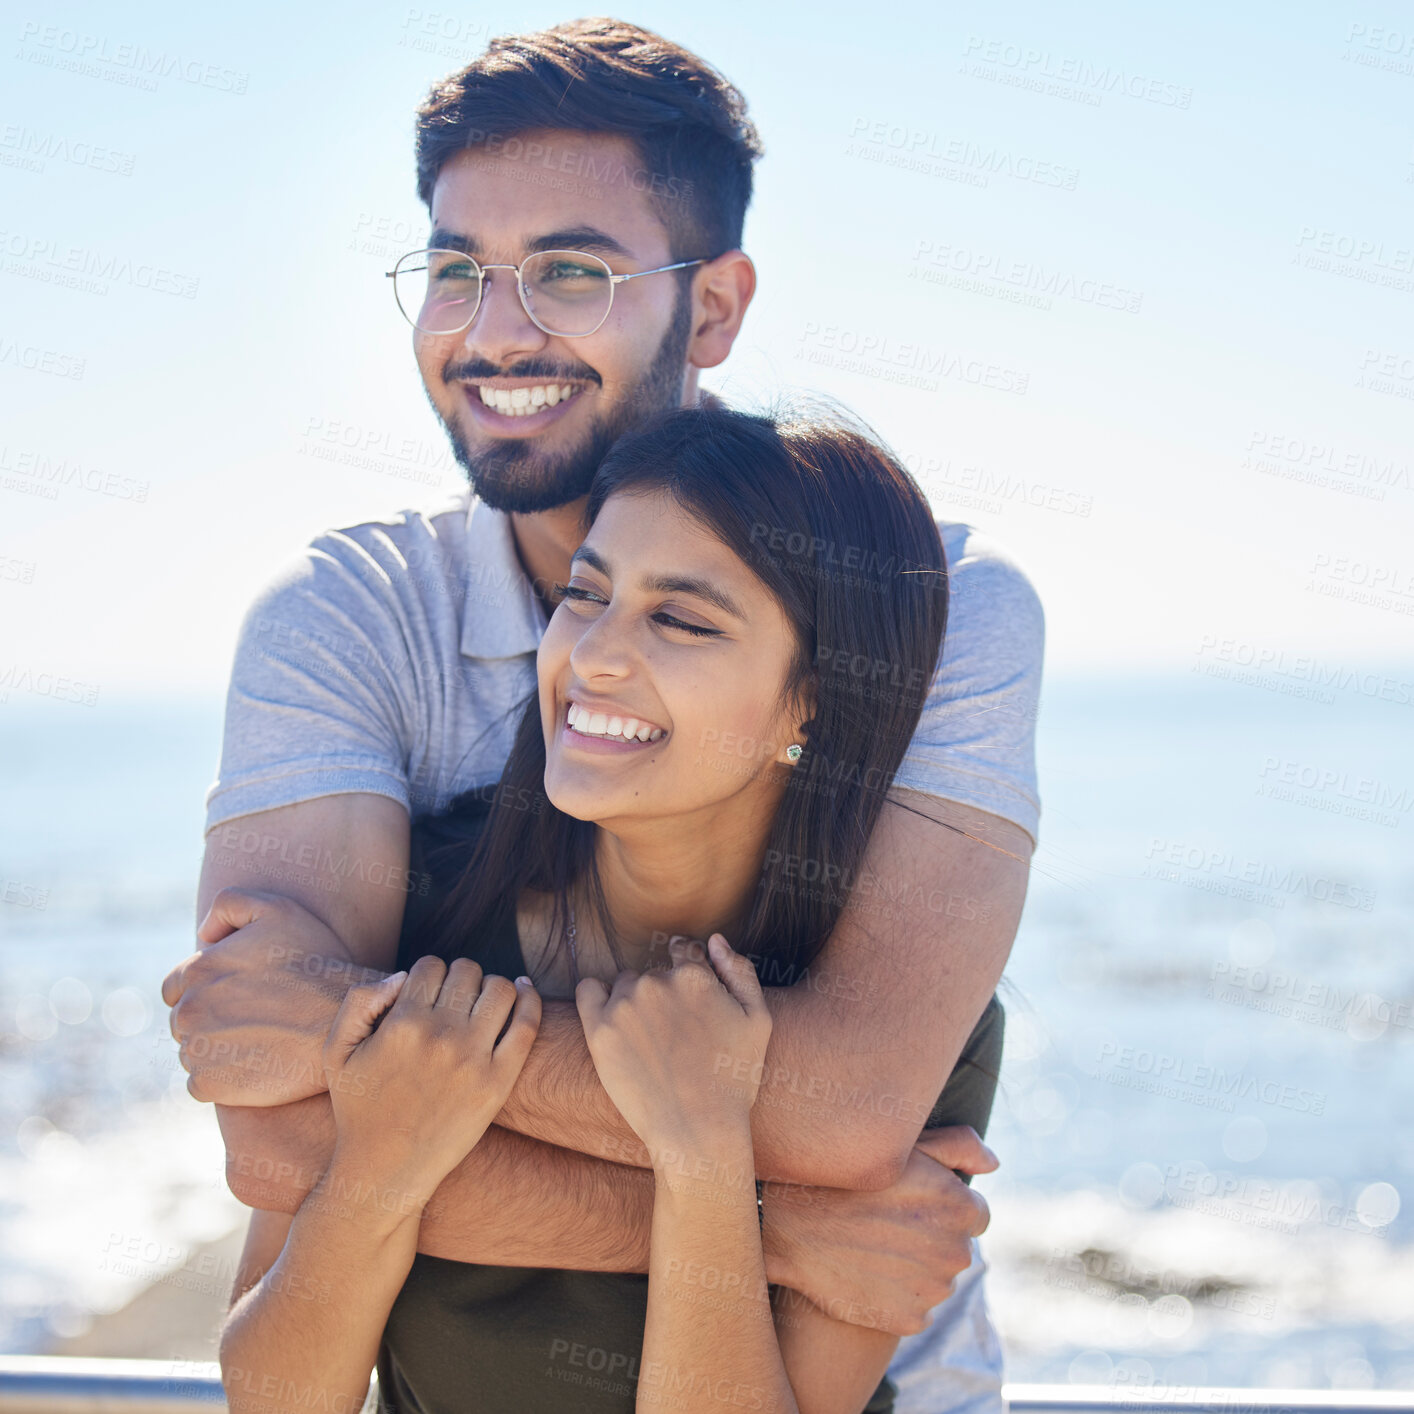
[412,1097]
[680,1051]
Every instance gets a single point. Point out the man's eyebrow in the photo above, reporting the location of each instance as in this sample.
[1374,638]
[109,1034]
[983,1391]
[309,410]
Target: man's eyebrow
[669,584]
[442,239]
[587,238]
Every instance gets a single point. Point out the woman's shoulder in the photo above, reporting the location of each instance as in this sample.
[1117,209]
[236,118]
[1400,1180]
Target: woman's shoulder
[441,845]
[462,821]
[440,851]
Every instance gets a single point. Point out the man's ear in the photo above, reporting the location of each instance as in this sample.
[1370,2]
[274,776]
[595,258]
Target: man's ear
[721,291]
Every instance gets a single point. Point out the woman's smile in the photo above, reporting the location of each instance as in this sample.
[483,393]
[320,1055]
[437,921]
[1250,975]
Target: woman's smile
[601,731]
[590,719]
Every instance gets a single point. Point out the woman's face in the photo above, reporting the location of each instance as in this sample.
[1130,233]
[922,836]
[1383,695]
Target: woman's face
[665,634]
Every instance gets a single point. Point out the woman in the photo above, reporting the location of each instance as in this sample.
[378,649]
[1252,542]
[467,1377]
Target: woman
[725,691]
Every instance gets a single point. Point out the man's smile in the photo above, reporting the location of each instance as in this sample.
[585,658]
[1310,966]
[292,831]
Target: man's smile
[519,406]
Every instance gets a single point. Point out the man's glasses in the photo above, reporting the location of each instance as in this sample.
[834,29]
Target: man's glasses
[565,292]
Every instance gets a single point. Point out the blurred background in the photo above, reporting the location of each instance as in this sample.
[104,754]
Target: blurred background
[1130,289]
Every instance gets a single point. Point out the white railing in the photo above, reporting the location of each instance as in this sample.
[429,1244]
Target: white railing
[52,1384]
[1164,1399]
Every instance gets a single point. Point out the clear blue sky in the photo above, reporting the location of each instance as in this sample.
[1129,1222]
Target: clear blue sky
[929,175]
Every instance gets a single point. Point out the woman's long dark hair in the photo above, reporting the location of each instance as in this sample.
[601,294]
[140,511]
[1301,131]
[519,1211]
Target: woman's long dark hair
[841,535]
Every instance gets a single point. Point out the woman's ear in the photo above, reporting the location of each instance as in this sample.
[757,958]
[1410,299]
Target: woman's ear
[801,717]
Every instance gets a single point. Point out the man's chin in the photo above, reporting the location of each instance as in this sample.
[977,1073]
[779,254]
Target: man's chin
[516,476]
[521,476]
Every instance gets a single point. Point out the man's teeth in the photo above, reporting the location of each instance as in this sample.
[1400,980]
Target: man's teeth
[588,723]
[521,402]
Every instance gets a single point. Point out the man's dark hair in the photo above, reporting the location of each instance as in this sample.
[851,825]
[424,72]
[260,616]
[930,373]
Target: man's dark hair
[688,124]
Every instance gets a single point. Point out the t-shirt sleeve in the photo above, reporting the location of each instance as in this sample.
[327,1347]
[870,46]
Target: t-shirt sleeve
[318,702]
[976,740]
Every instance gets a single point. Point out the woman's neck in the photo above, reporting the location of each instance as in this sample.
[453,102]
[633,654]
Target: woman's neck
[685,875]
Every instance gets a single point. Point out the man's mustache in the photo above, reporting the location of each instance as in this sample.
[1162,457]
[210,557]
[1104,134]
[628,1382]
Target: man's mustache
[531,368]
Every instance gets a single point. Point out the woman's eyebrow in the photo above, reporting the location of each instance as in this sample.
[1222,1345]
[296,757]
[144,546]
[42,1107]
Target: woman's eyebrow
[668,584]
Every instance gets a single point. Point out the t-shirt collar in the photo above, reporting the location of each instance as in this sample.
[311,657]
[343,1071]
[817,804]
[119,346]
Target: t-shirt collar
[503,617]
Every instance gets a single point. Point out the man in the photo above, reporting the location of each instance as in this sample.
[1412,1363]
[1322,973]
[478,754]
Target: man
[376,678]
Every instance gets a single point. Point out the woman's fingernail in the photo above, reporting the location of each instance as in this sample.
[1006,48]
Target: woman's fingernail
[524,979]
[397,976]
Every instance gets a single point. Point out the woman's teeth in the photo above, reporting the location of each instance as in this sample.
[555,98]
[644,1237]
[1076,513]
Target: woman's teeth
[588,723]
[521,402]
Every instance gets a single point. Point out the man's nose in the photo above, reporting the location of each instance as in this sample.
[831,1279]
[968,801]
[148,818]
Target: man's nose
[502,330]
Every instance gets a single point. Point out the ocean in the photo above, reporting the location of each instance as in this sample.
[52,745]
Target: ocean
[1206,1111]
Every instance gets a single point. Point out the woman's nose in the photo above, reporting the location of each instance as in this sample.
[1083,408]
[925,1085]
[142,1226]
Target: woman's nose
[605,648]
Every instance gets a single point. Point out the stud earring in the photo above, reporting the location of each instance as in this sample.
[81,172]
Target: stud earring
[794,750]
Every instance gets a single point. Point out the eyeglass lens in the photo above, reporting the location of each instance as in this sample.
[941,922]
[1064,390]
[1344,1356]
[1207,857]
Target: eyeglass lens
[566,292]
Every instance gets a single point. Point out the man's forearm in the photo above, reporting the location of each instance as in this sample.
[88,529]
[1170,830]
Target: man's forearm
[861,1045]
[518,1202]
[558,1099]
[512,1202]
[808,1104]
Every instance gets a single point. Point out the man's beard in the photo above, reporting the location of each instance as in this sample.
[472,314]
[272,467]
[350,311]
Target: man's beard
[513,475]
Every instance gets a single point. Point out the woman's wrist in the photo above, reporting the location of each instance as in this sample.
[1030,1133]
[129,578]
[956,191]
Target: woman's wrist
[698,1138]
[713,1161]
[383,1199]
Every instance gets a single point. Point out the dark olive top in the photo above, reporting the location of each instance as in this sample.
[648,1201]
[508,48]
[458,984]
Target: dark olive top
[462,1337]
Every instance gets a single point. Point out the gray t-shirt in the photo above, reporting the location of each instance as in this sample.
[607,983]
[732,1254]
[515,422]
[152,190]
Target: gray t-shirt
[393,656]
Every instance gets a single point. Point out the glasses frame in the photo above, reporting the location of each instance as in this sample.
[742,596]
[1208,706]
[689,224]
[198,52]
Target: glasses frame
[481,271]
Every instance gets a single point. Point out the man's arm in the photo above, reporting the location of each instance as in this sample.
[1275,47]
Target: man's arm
[342,857]
[917,951]
[511,1202]
[915,956]
[862,1045]
[884,1259]
[516,1201]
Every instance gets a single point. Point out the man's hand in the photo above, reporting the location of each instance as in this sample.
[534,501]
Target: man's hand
[252,1008]
[885,1258]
